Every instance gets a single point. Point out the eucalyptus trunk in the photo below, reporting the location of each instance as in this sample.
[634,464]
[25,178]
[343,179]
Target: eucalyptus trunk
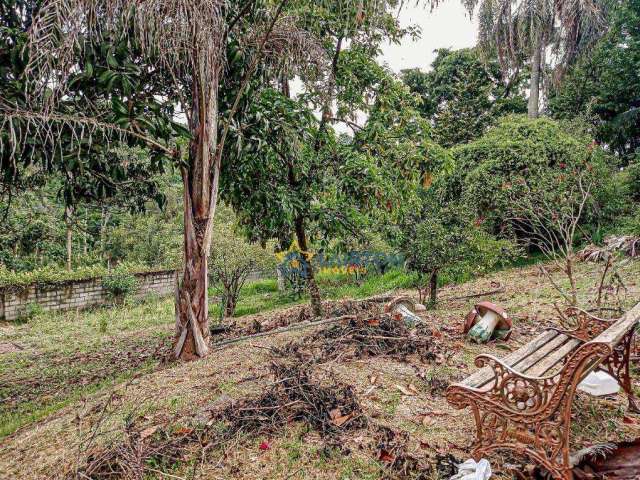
[200,185]
[312,286]
[533,107]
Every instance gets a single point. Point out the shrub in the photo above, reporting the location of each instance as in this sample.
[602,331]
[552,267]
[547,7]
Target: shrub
[232,259]
[444,236]
[120,284]
[492,171]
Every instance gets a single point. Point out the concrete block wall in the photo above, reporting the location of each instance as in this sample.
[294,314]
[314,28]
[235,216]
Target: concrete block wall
[77,295]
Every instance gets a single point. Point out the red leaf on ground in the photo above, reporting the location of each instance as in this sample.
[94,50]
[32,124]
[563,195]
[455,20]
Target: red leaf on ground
[386,456]
[265,445]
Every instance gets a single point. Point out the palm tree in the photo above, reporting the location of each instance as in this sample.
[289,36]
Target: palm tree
[521,31]
[186,42]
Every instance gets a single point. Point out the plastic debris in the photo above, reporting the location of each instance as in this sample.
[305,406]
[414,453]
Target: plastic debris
[599,383]
[472,470]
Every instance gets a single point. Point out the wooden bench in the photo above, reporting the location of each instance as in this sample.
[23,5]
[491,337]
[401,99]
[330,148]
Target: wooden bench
[522,402]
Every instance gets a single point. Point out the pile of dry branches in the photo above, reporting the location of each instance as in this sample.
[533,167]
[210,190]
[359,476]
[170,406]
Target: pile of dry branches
[627,245]
[296,395]
[360,337]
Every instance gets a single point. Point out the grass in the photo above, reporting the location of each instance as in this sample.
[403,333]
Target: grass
[263,295]
[65,356]
[61,348]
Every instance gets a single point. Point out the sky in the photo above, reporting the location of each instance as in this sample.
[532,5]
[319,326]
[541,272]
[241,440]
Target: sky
[448,26]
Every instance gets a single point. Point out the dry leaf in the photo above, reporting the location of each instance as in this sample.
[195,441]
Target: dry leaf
[411,387]
[339,421]
[373,379]
[147,432]
[428,420]
[405,391]
[629,420]
[386,456]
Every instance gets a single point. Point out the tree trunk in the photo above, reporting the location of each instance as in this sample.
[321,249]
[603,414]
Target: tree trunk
[68,212]
[534,87]
[200,185]
[433,287]
[314,291]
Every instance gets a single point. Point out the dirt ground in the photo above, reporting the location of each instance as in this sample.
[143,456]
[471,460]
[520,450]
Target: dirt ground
[312,403]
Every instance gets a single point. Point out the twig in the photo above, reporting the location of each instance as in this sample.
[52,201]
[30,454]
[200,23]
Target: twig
[501,289]
[298,326]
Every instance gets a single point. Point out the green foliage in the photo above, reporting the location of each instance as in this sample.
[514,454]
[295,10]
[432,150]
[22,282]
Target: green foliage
[604,87]
[443,235]
[111,77]
[57,275]
[462,95]
[120,283]
[233,259]
[518,153]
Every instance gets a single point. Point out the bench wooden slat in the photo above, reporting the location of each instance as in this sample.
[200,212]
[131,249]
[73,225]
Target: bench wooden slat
[614,334]
[485,374]
[541,354]
[554,358]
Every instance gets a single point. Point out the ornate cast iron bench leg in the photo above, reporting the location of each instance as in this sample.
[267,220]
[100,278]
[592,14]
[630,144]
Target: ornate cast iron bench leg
[528,415]
[618,366]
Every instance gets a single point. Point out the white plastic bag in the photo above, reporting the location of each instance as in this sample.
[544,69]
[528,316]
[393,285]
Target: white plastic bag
[470,470]
[599,383]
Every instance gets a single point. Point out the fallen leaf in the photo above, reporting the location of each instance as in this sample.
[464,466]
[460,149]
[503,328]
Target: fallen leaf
[184,431]
[373,322]
[428,420]
[405,391]
[369,390]
[373,379]
[411,387]
[338,422]
[386,456]
[147,432]
[629,420]
[264,445]
[335,413]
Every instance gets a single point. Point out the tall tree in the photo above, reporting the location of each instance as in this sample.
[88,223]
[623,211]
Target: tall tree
[462,94]
[604,86]
[520,32]
[185,42]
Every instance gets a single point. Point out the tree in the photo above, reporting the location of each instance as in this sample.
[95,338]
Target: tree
[519,33]
[233,259]
[462,95]
[491,170]
[186,44]
[438,235]
[604,86]
[548,211]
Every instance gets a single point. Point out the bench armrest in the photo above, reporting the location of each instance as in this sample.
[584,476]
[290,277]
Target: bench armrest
[613,335]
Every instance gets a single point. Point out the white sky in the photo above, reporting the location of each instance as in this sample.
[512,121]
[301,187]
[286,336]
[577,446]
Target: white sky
[448,26]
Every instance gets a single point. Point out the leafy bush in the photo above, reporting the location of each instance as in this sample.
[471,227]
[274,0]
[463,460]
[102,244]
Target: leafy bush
[442,236]
[493,170]
[58,275]
[233,259]
[120,283]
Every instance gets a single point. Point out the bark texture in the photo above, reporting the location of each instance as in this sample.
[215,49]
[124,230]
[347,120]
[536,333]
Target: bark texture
[433,287]
[533,108]
[312,286]
[200,185]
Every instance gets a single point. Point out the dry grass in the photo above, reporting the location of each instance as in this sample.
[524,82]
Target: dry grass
[402,394]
